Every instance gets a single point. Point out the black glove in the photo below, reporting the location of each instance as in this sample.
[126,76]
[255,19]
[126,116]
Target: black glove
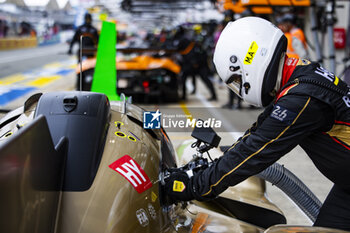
[69,52]
[178,187]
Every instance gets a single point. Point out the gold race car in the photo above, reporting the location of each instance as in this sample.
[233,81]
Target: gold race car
[75,162]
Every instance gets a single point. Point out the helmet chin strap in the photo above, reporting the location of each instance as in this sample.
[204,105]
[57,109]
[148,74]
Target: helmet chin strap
[280,72]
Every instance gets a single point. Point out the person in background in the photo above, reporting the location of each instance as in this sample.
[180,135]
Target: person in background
[90,38]
[3,28]
[25,28]
[193,61]
[297,46]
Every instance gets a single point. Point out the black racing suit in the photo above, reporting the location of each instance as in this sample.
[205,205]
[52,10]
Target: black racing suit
[89,40]
[313,111]
[194,62]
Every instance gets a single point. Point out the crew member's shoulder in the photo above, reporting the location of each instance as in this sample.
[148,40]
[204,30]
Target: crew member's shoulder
[304,66]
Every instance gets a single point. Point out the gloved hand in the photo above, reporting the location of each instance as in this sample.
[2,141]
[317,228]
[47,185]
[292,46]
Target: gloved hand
[178,187]
[69,52]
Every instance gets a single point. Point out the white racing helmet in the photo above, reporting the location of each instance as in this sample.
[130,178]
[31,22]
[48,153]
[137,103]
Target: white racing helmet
[249,58]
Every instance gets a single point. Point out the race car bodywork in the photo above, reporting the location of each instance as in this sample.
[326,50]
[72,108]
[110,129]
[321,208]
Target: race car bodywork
[75,162]
[146,78]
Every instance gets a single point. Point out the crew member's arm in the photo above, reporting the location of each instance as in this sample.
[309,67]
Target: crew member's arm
[278,132]
[74,40]
[96,37]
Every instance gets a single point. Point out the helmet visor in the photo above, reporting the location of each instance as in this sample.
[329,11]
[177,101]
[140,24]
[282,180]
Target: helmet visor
[235,84]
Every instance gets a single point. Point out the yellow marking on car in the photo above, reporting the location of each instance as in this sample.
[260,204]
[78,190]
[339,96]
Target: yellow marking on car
[131,138]
[120,134]
[178,186]
[43,81]
[12,79]
[251,53]
[118,123]
[8,134]
[153,196]
[258,151]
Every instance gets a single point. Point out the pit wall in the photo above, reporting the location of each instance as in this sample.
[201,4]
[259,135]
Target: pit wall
[17,43]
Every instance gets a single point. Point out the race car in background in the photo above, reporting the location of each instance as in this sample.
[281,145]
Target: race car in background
[142,73]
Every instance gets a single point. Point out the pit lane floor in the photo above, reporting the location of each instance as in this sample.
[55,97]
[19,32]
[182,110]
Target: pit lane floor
[45,69]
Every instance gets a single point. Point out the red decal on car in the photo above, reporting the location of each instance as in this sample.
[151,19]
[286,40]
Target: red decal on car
[133,172]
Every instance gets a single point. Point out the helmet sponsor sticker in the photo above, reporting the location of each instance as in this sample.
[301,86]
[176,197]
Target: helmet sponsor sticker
[282,114]
[263,52]
[251,53]
[178,186]
[133,172]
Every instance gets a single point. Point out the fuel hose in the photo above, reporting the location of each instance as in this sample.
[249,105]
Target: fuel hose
[294,188]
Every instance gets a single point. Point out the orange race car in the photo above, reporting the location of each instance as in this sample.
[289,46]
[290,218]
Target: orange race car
[141,73]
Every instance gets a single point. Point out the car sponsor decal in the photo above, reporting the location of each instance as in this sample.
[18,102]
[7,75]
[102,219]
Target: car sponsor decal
[282,114]
[251,53]
[152,212]
[141,215]
[132,171]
